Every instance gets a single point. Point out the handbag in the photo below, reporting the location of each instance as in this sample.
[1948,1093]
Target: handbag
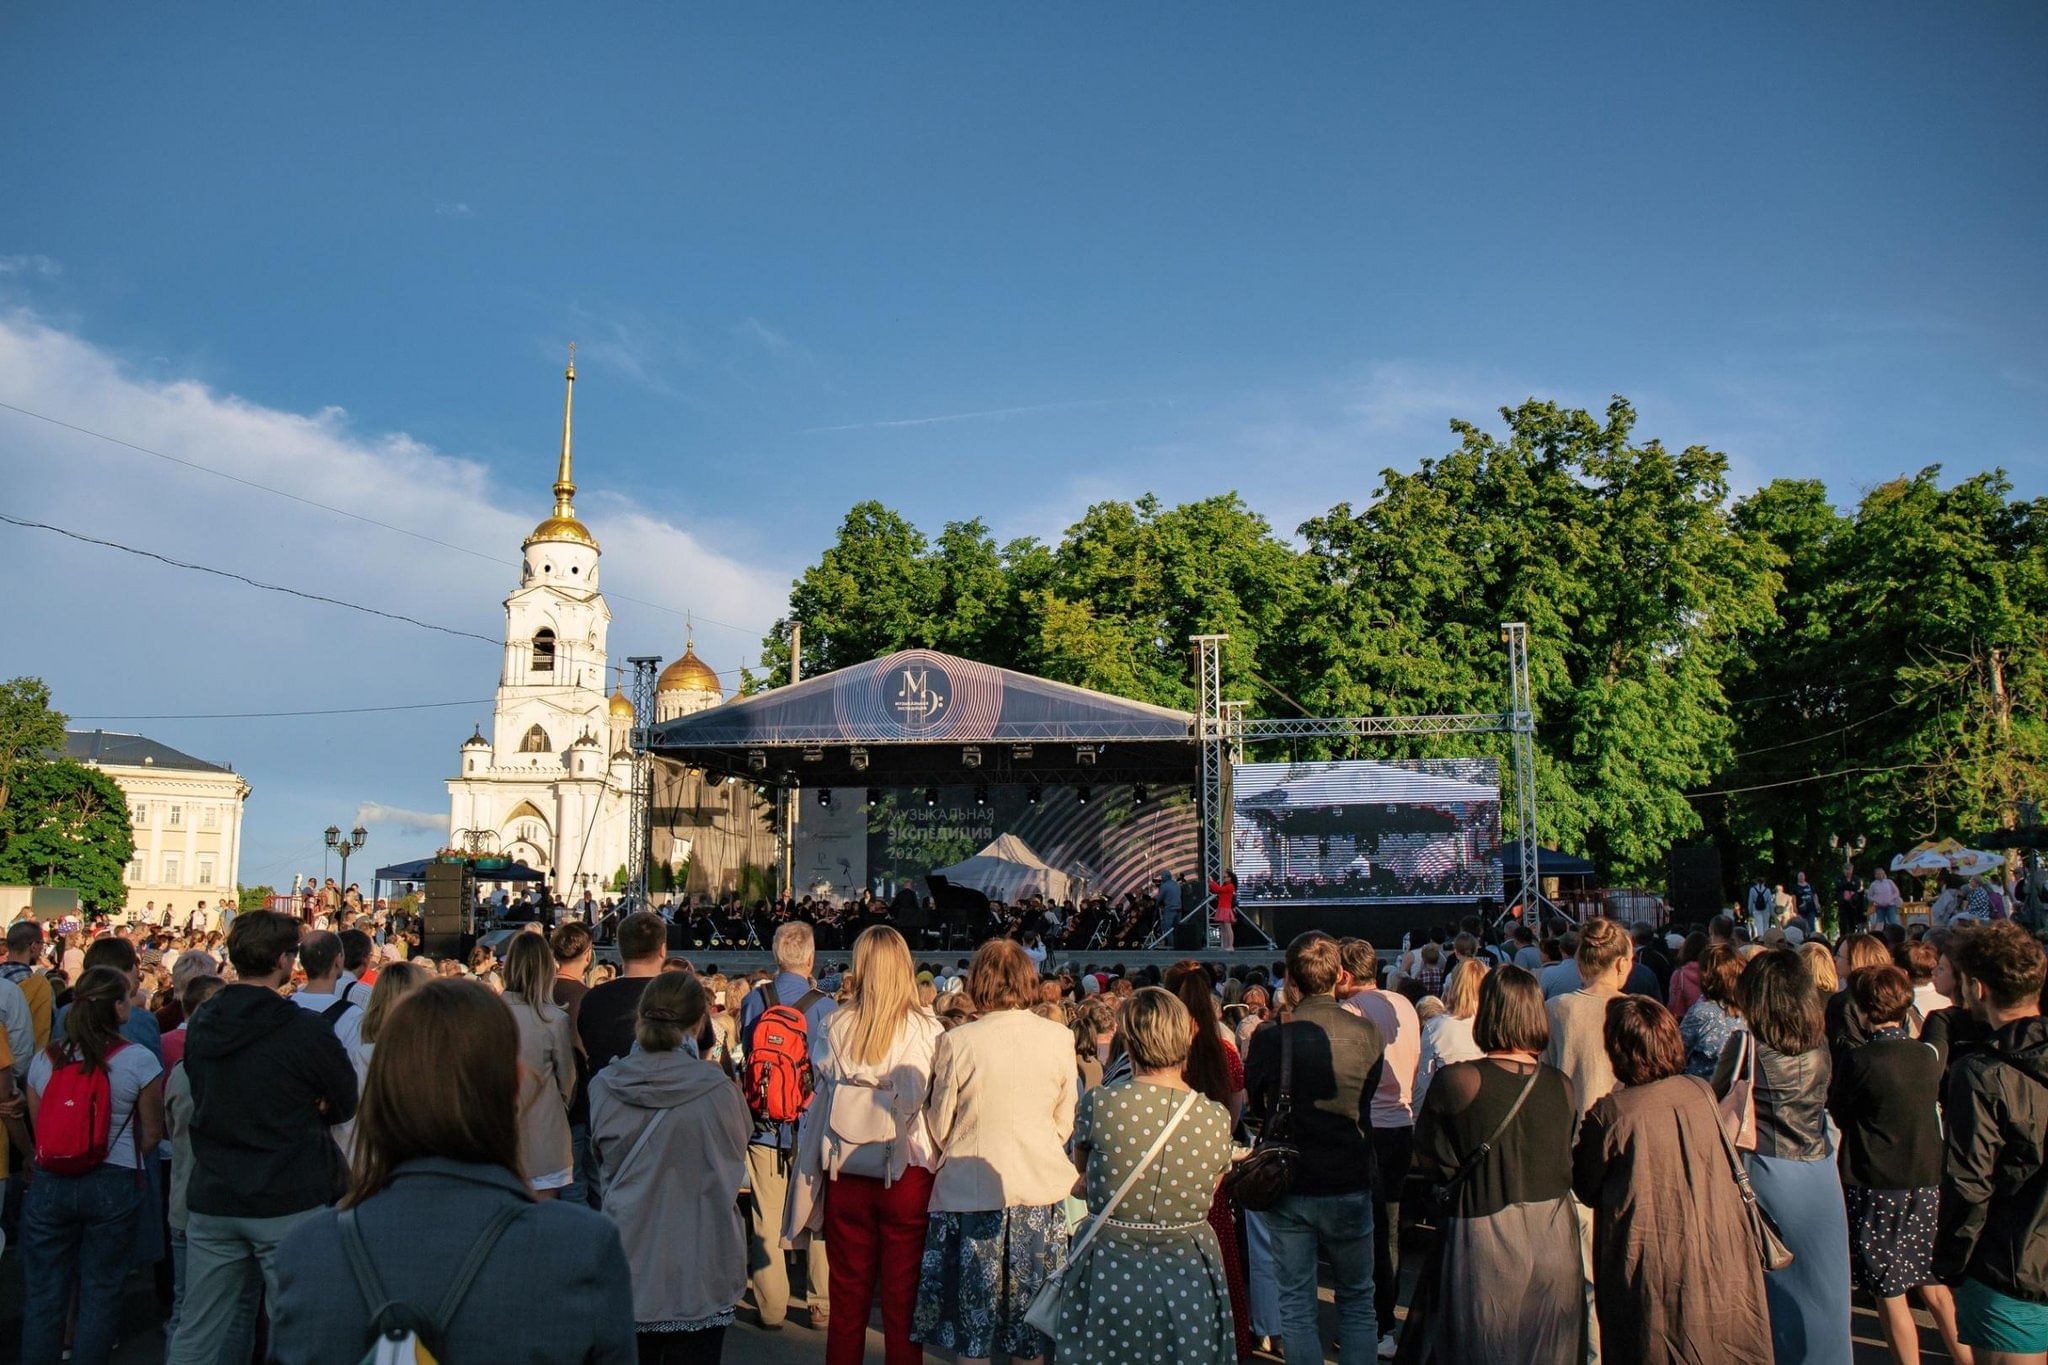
[1044,1313]
[1738,1106]
[1261,1180]
[1771,1251]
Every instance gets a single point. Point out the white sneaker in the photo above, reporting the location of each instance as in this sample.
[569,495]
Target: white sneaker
[1390,1345]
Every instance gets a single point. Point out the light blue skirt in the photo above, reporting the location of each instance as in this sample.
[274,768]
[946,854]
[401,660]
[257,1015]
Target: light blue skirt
[1809,1299]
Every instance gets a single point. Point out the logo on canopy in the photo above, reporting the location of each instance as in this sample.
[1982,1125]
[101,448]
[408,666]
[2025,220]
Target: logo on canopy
[922,693]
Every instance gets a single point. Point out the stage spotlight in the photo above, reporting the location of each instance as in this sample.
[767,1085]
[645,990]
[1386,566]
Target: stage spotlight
[857,759]
[1020,752]
[814,754]
[931,796]
[1084,794]
[970,757]
[757,761]
[1031,794]
[1139,795]
[1085,756]
[874,796]
[824,796]
[981,796]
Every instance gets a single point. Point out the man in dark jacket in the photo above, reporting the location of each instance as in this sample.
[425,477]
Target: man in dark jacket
[267,1079]
[1992,1246]
[1337,1059]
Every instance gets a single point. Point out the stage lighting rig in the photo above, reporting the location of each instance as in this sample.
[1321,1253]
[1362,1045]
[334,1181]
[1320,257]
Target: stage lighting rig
[1084,756]
[757,760]
[931,796]
[1020,752]
[824,796]
[814,754]
[981,795]
[970,757]
[874,797]
[1032,794]
[1084,794]
[857,759]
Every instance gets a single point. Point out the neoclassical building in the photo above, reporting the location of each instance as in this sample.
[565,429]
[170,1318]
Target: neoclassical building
[549,785]
[186,814]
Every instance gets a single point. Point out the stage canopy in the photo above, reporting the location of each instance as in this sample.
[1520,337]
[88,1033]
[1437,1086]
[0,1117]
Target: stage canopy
[416,871]
[1550,863]
[1008,871]
[919,718]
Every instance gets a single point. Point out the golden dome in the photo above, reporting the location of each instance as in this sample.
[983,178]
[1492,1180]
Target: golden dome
[621,708]
[689,674]
[559,528]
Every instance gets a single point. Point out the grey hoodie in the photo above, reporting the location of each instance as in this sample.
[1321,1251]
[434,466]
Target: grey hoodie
[675,1201]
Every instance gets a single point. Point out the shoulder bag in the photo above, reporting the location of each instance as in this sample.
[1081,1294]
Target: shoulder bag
[402,1336]
[1260,1180]
[1738,1106]
[1044,1313]
[1771,1251]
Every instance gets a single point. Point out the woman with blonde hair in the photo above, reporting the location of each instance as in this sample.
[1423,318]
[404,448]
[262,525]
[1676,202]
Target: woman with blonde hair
[547,1059]
[436,1182]
[669,1132]
[1151,1284]
[1447,1037]
[1001,1109]
[1820,963]
[865,1157]
[394,983]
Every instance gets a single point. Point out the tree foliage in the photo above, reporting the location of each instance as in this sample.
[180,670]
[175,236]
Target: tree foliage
[69,827]
[1765,672]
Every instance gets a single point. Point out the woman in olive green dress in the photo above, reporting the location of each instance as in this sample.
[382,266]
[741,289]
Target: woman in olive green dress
[1151,1286]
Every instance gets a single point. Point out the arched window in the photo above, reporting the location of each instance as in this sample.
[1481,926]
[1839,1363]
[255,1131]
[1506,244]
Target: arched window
[536,742]
[544,651]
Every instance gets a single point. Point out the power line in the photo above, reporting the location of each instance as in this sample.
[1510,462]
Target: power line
[1826,734]
[1797,781]
[252,582]
[338,511]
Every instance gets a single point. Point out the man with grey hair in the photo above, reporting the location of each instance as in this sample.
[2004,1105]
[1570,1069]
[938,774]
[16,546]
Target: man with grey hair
[793,986]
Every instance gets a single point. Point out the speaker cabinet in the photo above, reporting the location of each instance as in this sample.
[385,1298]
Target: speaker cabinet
[1695,882]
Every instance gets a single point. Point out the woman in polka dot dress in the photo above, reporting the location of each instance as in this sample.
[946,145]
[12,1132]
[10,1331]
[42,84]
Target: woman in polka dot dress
[1152,1285]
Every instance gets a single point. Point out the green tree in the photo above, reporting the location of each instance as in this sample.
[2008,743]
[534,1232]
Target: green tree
[253,897]
[30,729]
[873,591]
[69,828]
[1632,578]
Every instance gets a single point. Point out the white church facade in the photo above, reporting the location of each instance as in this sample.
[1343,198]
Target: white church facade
[550,784]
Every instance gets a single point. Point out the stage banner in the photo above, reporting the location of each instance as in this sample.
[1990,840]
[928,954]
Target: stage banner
[1363,832]
[1113,843]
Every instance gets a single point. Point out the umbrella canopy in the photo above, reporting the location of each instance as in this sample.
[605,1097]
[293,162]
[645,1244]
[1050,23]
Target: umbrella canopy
[1975,862]
[1922,861]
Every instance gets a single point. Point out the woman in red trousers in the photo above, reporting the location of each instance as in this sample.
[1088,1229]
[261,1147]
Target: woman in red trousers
[863,1172]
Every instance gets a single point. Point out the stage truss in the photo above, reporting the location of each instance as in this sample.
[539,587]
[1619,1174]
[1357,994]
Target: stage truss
[640,808]
[1222,730]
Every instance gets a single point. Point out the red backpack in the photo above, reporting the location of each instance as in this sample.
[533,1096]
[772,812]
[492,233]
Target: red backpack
[778,1074]
[76,1112]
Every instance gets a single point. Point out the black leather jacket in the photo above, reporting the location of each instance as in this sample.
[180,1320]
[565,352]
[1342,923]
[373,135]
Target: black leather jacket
[1791,1098]
[1994,1193]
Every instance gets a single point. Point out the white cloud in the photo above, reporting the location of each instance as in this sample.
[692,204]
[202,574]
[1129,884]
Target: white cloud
[453,208]
[41,267]
[113,633]
[985,414]
[420,821]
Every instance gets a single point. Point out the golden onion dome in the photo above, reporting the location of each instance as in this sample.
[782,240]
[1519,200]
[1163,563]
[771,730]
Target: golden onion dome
[559,529]
[622,709]
[689,674]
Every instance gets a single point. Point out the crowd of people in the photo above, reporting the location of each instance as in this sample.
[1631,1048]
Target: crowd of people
[1602,1141]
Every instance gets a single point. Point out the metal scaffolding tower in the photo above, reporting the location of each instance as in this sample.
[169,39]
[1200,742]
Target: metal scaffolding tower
[640,810]
[1222,730]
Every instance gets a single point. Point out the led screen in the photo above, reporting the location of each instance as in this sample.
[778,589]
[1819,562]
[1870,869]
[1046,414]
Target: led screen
[1366,832]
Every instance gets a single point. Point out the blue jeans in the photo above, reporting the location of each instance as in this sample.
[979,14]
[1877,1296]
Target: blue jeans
[1340,1225]
[582,1187]
[78,1231]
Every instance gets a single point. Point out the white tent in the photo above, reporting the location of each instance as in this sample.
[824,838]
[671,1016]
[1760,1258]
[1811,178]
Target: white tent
[1007,870]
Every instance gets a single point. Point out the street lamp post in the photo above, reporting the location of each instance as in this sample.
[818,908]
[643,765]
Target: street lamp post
[345,844]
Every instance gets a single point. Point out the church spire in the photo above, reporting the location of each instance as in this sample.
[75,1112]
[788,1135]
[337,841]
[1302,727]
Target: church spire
[565,482]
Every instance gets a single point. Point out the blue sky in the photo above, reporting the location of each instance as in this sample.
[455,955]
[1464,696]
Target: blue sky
[971,259]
